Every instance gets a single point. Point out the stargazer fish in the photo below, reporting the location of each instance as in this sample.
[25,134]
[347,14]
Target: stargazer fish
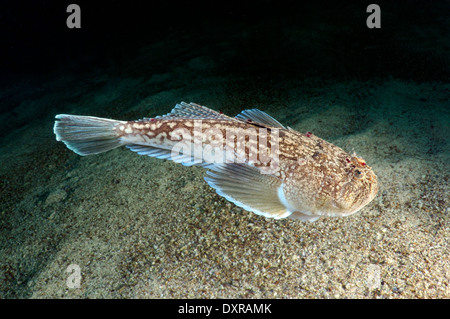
[252,160]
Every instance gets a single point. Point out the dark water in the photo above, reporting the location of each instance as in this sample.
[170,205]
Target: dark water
[260,38]
[297,60]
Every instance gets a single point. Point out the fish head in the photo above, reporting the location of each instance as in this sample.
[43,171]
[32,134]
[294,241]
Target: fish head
[346,189]
[357,187]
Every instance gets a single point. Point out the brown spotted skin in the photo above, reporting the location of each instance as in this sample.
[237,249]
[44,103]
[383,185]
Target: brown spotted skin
[318,178]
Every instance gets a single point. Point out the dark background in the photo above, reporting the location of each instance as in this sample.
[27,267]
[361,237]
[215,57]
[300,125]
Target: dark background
[265,38]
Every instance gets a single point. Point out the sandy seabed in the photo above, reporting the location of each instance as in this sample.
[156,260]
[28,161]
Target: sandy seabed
[139,227]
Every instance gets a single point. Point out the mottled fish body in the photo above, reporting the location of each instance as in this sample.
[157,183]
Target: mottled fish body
[252,159]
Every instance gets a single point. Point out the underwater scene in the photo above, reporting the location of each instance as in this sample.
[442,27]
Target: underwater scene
[352,89]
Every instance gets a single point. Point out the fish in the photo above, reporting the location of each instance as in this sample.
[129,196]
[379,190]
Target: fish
[252,160]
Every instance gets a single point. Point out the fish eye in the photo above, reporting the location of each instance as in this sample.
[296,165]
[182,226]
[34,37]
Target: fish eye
[358,173]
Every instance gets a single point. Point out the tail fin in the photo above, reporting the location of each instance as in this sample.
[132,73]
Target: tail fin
[86,135]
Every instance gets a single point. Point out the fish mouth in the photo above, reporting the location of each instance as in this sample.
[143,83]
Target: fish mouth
[367,192]
[373,181]
[372,192]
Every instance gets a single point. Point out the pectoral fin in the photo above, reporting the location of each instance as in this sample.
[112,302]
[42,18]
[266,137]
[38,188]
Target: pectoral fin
[247,188]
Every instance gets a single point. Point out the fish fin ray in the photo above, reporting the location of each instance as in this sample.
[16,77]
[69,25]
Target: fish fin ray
[185,110]
[260,117]
[163,153]
[304,217]
[86,135]
[247,188]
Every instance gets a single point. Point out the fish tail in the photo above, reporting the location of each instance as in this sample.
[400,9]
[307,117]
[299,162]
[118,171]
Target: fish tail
[86,135]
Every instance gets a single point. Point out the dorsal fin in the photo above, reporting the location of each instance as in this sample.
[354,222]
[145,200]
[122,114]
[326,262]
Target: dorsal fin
[193,111]
[259,116]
